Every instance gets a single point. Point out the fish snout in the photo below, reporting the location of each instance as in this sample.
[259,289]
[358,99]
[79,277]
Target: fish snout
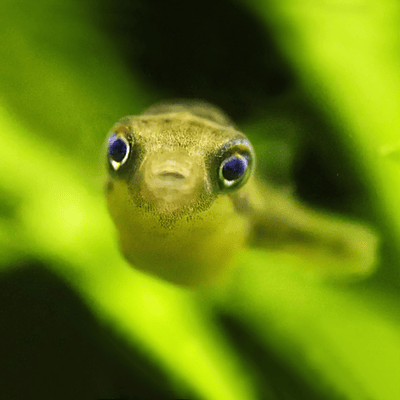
[172,181]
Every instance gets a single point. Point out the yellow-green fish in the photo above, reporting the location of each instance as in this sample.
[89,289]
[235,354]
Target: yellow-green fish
[182,194]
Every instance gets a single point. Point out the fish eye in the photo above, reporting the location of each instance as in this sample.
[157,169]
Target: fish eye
[233,168]
[236,166]
[118,151]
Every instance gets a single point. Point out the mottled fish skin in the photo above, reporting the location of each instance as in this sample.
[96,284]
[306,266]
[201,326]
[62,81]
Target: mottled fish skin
[178,218]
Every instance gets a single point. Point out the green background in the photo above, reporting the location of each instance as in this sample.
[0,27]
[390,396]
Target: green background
[316,87]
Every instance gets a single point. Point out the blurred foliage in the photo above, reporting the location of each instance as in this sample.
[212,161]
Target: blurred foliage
[315,85]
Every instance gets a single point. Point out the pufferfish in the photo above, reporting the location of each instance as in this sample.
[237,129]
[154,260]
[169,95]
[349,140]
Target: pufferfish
[182,194]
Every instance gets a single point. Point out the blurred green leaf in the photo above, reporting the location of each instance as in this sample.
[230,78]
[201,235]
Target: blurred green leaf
[332,335]
[346,56]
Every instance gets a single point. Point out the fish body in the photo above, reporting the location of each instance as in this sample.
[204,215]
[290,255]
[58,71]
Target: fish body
[183,196]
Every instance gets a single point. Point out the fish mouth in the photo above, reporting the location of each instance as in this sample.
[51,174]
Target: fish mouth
[171,175]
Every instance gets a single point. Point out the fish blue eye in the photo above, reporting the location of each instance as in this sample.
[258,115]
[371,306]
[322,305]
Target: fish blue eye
[235,160]
[118,151]
[234,167]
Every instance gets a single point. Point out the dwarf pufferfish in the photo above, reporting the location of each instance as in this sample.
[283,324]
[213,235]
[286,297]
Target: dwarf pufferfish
[182,194]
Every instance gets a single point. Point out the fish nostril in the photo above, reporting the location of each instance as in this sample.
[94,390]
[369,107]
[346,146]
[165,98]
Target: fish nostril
[175,175]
